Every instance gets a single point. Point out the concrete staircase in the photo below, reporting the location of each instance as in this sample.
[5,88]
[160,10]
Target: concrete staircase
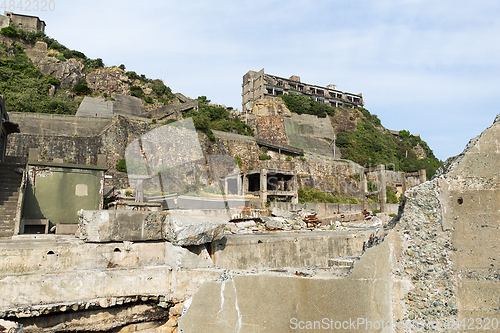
[10,182]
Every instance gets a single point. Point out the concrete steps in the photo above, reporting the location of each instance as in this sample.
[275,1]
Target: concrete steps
[10,182]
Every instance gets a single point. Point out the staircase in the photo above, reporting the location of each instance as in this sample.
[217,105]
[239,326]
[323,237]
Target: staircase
[10,182]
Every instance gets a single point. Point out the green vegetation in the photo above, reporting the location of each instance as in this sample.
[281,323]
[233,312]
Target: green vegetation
[391,197]
[303,104]
[32,37]
[121,165]
[26,88]
[82,89]
[134,166]
[212,117]
[264,157]
[238,161]
[370,144]
[136,91]
[312,195]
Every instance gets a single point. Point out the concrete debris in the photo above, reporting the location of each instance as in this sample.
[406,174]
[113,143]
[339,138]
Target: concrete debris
[120,225]
[186,230]
[274,223]
[7,326]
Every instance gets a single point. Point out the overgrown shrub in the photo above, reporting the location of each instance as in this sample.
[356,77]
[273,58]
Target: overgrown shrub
[303,104]
[82,89]
[307,194]
[121,165]
[211,117]
[136,91]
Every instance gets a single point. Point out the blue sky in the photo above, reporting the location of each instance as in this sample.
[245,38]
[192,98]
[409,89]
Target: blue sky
[430,67]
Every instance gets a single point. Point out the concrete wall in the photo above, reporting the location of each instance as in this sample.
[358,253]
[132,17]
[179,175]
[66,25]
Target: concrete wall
[284,249]
[95,107]
[4,21]
[326,208]
[58,125]
[45,272]
[273,303]
[68,149]
[58,193]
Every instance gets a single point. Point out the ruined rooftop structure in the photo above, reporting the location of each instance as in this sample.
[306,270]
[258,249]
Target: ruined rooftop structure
[20,21]
[259,85]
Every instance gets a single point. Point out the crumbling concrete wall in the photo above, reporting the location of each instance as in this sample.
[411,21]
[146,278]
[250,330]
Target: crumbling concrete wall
[450,230]
[272,303]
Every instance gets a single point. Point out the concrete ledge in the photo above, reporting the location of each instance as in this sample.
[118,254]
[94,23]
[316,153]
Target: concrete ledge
[287,249]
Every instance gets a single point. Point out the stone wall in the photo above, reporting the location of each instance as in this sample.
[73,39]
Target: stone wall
[67,149]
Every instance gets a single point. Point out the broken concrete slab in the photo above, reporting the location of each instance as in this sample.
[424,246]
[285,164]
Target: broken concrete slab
[194,230]
[116,226]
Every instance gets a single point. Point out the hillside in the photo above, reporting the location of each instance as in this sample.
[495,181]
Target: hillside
[362,138]
[38,74]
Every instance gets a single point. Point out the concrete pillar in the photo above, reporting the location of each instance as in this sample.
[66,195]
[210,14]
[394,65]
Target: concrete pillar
[225,187]
[245,185]
[382,186]
[240,188]
[363,187]
[294,187]
[403,181]
[422,175]
[139,191]
[263,187]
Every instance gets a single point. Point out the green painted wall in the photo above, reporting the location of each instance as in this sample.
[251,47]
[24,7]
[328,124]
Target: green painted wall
[59,193]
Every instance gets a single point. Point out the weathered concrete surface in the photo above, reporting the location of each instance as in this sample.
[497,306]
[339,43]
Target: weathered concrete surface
[95,107]
[58,124]
[121,225]
[128,105]
[39,272]
[449,234]
[263,303]
[287,249]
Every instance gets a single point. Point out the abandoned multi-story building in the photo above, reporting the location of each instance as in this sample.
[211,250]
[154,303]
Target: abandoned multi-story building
[259,85]
[25,22]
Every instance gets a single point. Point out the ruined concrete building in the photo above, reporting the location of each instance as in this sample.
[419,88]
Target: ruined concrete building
[259,85]
[20,21]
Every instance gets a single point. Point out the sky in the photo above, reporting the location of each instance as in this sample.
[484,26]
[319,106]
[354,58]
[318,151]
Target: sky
[430,67]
